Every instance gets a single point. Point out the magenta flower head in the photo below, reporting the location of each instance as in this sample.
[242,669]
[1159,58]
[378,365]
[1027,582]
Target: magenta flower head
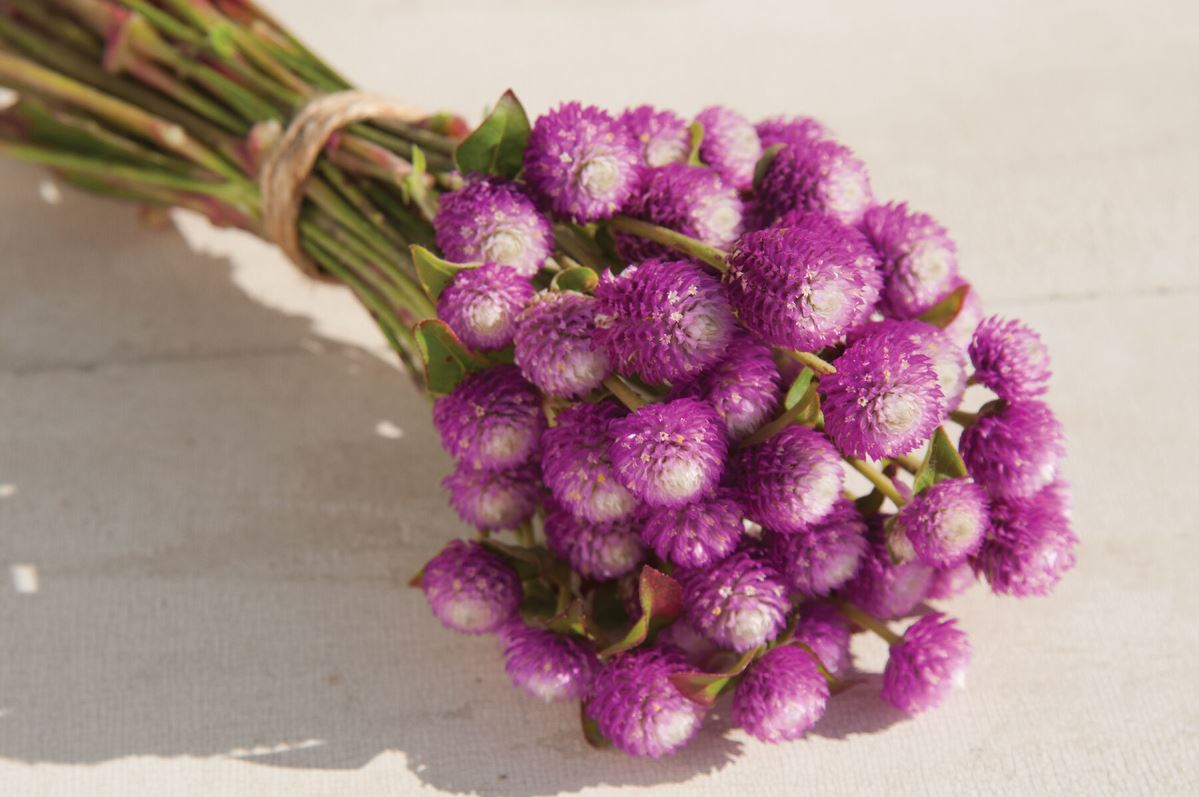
[948,358]
[662,136]
[663,320]
[671,454]
[496,499]
[635,705]
[803,285]
[781,696]
[548,666]
[951,582]
[581,162]
[884,588]
[492,420]
[685,638]
[1014,449]
[738,603]
[961,329]
[576,465]
[1031,545]
[599,551]
[1010,358]
[493,221]
[689,199]
[470,589]
[918,257]
[730,145]
[884,399]
[817,559]
[931,661]
[481,305]
[945,523]
[827,633]
[796,129]
[696,535]
[819,175]
[554,344]
[791,480]
[743,387]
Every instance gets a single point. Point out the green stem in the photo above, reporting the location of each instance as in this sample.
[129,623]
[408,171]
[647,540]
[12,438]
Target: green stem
[879,480]
[868,621]
[812,361]
[623,391]
[782,421]
[908,462]
[966,419]
[675,240]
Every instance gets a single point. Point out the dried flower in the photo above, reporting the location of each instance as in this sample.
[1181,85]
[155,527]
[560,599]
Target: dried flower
[791,480]
[662,136]
[555,348]
[599,551]
[689,199]
[930,661]
[781,696]
[946,523]
[548,666]
[481,305]
[1014,449]
[730,145]
[817,559]
[494,500]
[670,454]
[577,467]
[738,603]
[1010,358]
[470,589]
[696,535]
[919,259]
[493,221]
[492,420]
[635,705]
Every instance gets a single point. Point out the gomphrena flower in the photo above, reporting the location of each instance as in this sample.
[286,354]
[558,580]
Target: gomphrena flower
[689,199]
[1010,358]
[951,582]
[738,603]
[781,696]
[884,588]
[555,348]
[787,130]
[493,221]
[670,454]
[730,145]
[470,589]
[743,387]
[884,399]
[548,666]
[961,328]
[945,523]
[1031,545]
[1014,448]
[635,705]
[696,535]
[817,174]
[803,285]
[662,136]
[492,500]
[481,305]
[948,358]
[581,162]
[492,420]
[576,465]
[817,559]
[684,637]
[919,259]
[930,662]
[599,551]
[662,320]
[827,633]
[791,480]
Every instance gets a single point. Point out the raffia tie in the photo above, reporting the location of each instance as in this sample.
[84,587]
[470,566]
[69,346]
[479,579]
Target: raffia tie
[288,164]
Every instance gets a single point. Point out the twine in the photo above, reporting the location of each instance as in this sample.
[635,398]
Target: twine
[288,164]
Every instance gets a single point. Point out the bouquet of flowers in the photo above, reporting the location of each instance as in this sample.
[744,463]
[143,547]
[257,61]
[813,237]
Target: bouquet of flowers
[660,350]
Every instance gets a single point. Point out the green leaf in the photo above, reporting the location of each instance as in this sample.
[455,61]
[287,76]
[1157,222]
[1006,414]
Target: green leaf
[497,146]
[943,312]
[941,461]
[220,36]
[705,687]
[445,358]
[870,503]
[799,388]
[573,621]
[764,162]
[661,603]
[579,278]
[591,731]
[434,273]
[697,139]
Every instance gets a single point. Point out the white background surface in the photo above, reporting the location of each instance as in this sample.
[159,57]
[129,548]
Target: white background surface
[206,530]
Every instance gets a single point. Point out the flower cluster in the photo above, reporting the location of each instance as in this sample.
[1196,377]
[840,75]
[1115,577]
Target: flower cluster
[670,376]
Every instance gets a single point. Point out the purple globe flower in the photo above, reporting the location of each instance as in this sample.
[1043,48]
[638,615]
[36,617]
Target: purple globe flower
[730,145]
[470,589]
[581,162]
[884,400]
[696,535]
[827,633]
[784,130]
[1010,358]
[548,666]
[951,582]
[781,696]
[599,551]
[662,136]
[738,603]
[884,588]
[670,454]
[663,320]
[1031,545]
[494,500]
[689,199]
[791,480]
[492,420]
[493,221]
[636,706]
[961,329]
[930,662]
[804,285]
[946,523]
[481,305]
[817,559]
[554,344]
[948,358]
[1014,449]
[818,175]
[918,257]
[685,638]
[743,387]
[576,465]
